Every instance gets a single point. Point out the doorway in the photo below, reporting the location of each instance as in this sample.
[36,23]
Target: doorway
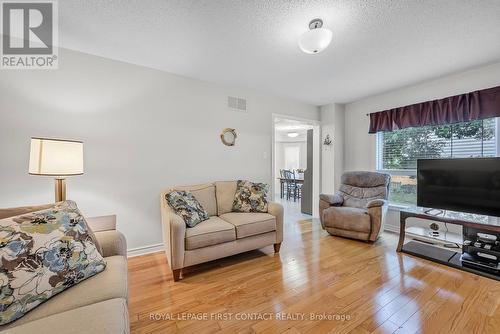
[296,166]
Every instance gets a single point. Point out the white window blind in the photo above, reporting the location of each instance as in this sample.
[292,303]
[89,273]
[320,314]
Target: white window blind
[401,149]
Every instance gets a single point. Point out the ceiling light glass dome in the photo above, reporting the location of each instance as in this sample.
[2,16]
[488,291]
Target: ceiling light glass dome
[316,39]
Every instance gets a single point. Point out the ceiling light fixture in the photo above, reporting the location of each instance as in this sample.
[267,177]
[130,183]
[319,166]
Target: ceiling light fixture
[292,134]
[316,39]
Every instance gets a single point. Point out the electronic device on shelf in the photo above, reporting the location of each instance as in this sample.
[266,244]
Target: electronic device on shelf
[434,212]
[481,250]
[481,262]
[488,238]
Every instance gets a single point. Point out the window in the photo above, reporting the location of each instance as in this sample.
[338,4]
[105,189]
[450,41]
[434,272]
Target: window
[398,151]
[292,157]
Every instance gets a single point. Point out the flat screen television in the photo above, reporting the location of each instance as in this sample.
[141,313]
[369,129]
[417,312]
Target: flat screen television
[466,185]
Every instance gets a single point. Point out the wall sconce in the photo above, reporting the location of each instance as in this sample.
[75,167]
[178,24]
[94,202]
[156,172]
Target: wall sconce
[327,141]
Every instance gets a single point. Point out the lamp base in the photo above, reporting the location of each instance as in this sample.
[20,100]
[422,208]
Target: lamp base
[60,189]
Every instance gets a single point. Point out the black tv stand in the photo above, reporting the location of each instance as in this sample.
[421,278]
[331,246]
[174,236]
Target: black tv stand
[471,225]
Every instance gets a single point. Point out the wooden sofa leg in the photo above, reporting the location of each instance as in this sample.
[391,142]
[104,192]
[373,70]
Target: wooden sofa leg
[177,274]
[277,247]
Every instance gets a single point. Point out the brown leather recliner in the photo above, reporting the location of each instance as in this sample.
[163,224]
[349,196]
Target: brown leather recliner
[359,208]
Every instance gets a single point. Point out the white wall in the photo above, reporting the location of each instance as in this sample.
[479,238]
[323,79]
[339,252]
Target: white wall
[332,156]
[360,147]
[143,130]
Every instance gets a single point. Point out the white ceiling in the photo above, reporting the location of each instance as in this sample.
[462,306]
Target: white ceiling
[284,126]
[377,45]
[290,125]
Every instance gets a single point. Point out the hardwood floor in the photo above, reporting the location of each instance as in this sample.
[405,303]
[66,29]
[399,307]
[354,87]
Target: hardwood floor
[375,289]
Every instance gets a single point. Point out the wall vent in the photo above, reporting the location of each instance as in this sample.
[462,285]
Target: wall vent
[237,103]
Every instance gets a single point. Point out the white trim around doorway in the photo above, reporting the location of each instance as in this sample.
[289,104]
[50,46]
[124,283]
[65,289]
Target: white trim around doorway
[316,157]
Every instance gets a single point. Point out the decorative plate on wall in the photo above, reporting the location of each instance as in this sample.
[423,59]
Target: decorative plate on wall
[228,136]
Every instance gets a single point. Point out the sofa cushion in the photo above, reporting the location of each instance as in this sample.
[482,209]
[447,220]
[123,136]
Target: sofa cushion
[110,316]
[109,284]
[225,191]
[347,218]
[205,194]
[184,204]
[248,224]
[209,232]
[250,197]
[43,253]
[366,179]
[359,188]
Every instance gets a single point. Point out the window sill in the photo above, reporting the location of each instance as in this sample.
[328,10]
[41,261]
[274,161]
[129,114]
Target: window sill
[399,207]
[398,172]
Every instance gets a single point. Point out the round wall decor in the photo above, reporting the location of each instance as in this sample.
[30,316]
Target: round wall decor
[228,137]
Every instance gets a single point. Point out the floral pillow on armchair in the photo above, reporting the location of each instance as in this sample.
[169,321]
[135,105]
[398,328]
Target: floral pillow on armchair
[41,254]
[250,197]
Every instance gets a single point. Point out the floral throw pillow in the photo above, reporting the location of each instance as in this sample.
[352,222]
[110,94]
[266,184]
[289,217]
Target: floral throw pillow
[250,197]
[43,253]
[187,206]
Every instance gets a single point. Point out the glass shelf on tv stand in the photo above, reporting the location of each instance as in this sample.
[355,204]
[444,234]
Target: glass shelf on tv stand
[443,238]
[454,217]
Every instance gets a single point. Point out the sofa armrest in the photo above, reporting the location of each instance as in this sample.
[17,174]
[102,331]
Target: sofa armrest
[276,210]
[112,243]
[174,234]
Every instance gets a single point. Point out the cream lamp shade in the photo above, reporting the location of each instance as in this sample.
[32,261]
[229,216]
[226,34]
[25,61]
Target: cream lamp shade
[56,157]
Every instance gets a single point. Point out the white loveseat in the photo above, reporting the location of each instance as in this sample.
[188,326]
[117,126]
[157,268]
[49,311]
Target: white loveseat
[225,233]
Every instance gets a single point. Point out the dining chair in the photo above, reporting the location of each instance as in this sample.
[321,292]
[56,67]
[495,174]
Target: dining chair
[282,184]
[298,173]
[290,184]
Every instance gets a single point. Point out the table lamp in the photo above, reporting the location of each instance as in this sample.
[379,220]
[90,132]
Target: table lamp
[58,158]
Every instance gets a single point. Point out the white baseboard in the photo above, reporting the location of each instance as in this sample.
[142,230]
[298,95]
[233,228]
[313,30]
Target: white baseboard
[145,250]
[160,247]
[391,228]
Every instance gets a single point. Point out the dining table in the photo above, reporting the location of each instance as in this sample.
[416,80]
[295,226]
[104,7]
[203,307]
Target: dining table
[299,180]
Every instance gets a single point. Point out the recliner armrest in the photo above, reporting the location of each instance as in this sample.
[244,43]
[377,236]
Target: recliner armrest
[375,203]
[377,209]
[335,199]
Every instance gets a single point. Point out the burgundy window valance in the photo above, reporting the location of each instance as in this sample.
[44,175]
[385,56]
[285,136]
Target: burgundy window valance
[467,107]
